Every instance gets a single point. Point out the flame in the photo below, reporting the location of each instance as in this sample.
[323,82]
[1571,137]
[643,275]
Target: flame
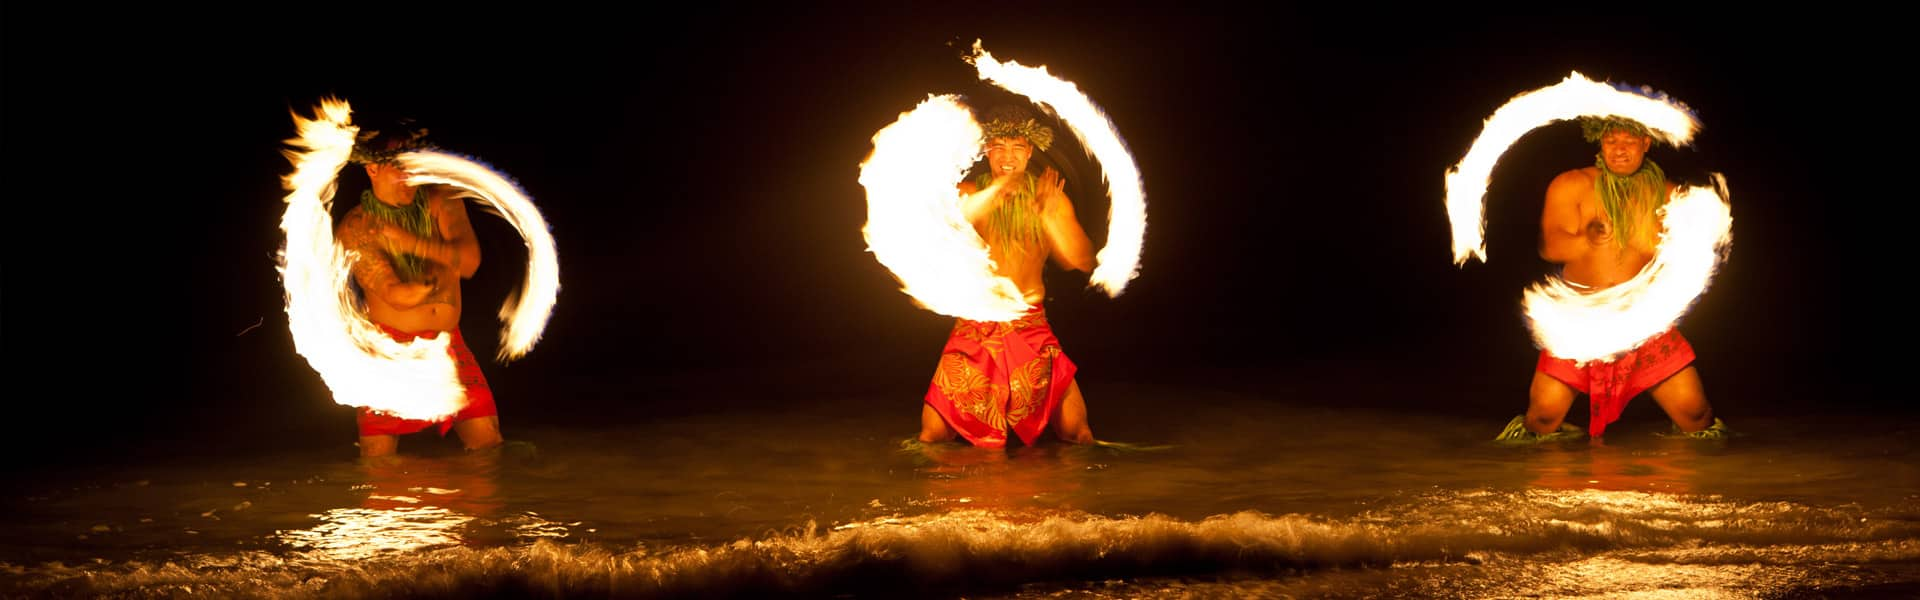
[1575,97]
[361,364]
[524,314]
[1697,232]
[1119,261]
[914,224]
[1696,226]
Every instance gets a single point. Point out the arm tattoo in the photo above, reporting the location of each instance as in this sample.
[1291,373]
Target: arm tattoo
[373,268]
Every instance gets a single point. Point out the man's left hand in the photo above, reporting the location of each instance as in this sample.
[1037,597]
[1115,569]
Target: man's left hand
[1052,192]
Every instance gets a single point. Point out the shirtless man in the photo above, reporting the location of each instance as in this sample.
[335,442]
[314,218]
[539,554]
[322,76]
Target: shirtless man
[1599,225]
[1012,376]
[414,245]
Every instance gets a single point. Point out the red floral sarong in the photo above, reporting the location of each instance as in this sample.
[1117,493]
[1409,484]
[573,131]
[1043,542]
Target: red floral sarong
[1610,384]
[479,394]
[999,376]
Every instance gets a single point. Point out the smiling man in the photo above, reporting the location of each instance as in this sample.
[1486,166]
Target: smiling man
[1000,377]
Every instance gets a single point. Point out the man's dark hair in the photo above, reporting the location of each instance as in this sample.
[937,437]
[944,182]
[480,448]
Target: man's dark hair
[386,139]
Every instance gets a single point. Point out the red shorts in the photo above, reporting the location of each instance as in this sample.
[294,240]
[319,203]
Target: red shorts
[479,395]
[1610,384]
[999,376]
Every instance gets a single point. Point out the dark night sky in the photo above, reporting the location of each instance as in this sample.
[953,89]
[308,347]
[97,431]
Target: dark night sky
[700,177]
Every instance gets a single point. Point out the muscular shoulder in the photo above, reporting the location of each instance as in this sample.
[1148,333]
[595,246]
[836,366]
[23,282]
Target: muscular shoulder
[1573,178]
[448,201]
[354,229]
[440,197]
[1571,186]
[441,193]
[354,218]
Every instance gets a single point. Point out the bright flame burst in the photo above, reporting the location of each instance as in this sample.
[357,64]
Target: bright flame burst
[1696,226]
[524,314]
[914,222]
[1119,261]
[361,364]
[1573,98]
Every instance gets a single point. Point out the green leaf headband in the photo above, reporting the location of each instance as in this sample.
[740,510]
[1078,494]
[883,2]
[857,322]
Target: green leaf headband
[1039,135]
[365,153]
[1594,128]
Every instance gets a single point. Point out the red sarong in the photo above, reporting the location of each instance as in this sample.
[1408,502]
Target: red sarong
[999,376]
[1610,384]
[479,394]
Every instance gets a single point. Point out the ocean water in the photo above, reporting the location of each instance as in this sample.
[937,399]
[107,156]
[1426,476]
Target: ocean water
[1208,492]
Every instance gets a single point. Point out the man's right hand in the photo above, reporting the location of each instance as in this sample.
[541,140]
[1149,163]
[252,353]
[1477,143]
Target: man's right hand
[976,205]
[1599,233]
[999,183]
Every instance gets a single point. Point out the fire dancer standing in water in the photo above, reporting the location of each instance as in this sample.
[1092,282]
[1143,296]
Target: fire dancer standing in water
[414,245]
[996,377]
[1599,225]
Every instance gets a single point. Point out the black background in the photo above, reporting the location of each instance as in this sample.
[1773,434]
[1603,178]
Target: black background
[700,175]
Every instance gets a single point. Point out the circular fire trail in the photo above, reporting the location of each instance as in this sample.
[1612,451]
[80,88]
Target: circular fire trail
[914,223]
[361,364]
[1696,225]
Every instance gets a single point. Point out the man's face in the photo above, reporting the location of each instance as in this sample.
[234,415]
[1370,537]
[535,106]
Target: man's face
[1623,151]
[389,181]
[1008,155]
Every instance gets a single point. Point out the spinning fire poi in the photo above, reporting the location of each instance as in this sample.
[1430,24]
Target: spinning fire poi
[394,350]
[1635,251]
[976,248]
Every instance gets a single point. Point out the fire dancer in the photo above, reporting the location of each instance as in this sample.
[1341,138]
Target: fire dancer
[414,245]
[999,376]
[1599,225]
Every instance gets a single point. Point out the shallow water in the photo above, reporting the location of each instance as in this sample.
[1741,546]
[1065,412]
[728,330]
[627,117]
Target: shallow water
[1274,494]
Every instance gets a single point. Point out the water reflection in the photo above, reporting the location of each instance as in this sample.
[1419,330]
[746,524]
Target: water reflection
[467,483]
[1670,467]
[409,504]
[360,533]
[961,476]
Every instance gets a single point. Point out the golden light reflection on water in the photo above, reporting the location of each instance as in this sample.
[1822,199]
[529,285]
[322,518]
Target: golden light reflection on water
[1608,577]
[410,504]
[959,477]
[1542,544]
[1601,467]
[360,533]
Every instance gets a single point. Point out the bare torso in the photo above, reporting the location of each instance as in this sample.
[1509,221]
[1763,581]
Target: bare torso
[440,312]
[1023,258]
[1023,265]
[1600,261]
[439,309]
